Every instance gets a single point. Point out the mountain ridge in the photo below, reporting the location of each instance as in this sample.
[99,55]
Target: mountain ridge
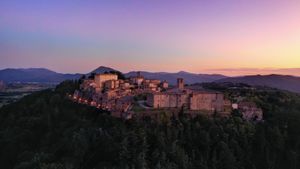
[43,75]
[284,82]
[102,69]
[189,78]
[46,75]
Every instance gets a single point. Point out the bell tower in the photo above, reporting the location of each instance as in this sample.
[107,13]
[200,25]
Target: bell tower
[180,83]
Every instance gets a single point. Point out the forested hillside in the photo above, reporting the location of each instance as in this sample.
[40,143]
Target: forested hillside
[47,131]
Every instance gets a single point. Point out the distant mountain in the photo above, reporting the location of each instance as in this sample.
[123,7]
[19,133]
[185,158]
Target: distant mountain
[284,82]
[40,75]
[102,69]
[189,78]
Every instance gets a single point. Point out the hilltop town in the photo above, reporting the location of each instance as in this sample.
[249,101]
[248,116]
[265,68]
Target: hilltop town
[139,97]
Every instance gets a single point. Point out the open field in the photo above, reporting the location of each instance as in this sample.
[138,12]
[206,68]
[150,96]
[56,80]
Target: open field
[15,91]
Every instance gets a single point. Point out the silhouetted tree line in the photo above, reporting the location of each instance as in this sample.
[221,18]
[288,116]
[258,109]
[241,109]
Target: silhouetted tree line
[47,131]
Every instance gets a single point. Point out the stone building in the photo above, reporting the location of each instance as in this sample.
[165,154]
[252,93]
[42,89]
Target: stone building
[111,94]
[164,85]
[167,99]
[207,100]
[100,79]
[125,85]
[191,99]
[111,84]
[180,84]
[137,80]
[106,92]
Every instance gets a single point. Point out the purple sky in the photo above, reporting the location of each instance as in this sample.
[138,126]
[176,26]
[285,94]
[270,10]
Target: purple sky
[204,36]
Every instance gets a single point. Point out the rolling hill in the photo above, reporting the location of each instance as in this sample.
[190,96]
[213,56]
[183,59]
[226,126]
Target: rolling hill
[284,82]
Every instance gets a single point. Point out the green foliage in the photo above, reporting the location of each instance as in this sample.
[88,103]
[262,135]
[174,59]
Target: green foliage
[47,131]
[68,86]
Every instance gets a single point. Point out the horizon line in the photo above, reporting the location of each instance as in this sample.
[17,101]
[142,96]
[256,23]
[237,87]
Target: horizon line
[217,71]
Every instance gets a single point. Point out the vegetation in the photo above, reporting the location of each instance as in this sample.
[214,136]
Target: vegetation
[47,131]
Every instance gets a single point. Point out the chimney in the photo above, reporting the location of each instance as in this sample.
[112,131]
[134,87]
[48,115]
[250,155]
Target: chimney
[180,83]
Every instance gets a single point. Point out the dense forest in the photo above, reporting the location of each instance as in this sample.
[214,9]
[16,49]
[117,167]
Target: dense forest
[45,130]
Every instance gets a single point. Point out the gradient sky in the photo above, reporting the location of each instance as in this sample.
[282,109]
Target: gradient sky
[203,36]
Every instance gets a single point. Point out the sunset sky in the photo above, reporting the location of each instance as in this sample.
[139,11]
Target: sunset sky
[231,37]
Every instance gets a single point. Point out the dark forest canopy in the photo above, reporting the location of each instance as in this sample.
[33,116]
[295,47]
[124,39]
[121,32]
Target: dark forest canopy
[47,131]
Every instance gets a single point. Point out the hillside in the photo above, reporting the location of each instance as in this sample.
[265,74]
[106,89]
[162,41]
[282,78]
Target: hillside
[40,75]
[46,130]
[284,82]
[189,78]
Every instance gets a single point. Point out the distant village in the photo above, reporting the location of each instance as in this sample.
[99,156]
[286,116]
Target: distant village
[140,97]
